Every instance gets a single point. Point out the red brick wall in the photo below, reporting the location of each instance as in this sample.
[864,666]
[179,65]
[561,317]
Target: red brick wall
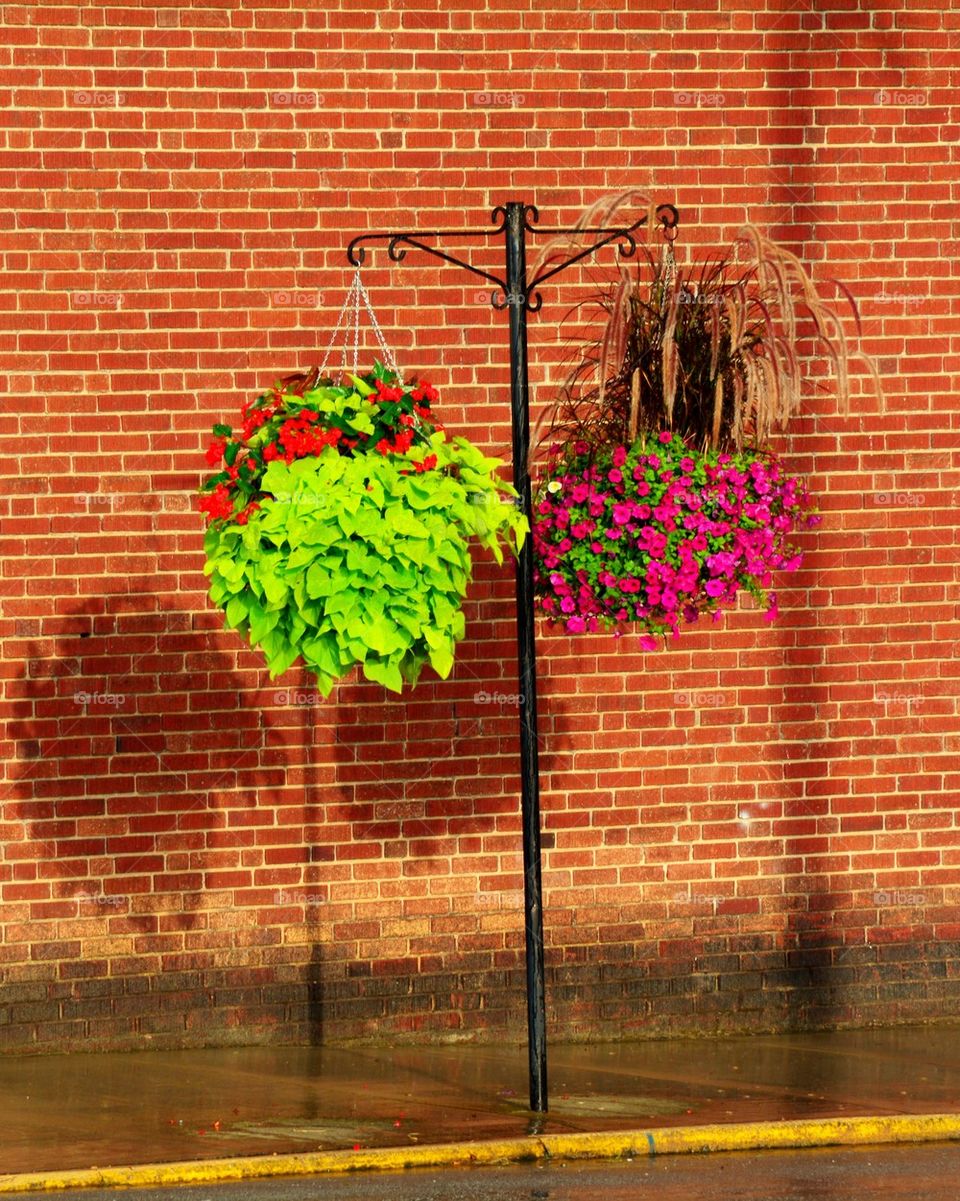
[756,828]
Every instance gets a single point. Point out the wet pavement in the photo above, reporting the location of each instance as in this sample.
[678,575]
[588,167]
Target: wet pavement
[103,1110]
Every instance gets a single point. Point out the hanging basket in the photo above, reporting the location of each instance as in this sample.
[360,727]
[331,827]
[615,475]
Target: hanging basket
[653,534]
[340,522]
[660,500]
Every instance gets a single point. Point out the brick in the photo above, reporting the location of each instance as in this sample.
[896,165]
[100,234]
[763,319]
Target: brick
[144,843]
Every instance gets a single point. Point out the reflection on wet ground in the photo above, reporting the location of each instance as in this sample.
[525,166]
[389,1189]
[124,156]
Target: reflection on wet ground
[99,1110]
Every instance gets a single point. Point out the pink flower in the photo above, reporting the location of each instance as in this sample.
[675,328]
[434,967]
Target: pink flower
[730,532]
[622,513]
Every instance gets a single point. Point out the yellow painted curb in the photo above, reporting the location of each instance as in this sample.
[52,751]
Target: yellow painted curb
[665,1140]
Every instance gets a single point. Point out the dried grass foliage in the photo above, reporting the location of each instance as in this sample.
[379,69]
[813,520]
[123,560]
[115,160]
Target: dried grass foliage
[708,351]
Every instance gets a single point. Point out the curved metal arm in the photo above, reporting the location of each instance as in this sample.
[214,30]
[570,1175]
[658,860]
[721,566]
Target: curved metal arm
[396,242]
[669,218]
[666,214]
[532,301]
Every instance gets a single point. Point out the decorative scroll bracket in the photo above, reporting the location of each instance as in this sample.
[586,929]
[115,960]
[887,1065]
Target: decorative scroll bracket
[529,296]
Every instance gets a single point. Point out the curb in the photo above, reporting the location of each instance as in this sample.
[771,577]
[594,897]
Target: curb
[667,1140]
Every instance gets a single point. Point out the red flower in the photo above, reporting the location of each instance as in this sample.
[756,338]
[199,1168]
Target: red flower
[215,451]
[217,504]
[244,516]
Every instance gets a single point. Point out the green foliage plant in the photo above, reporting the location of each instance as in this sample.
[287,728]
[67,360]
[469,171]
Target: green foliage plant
[349,542]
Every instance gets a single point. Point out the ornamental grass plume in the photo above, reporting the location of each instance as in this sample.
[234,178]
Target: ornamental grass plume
[708,352]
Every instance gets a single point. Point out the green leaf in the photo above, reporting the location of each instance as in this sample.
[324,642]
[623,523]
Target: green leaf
[360,423]
[383,637]
[441,658]
[236,611]
[385,673]
[361,385]
[411,622]
[231,569]
[322,654]
[301,557]
[402,521]
[321,581]
[282,659]
[421,494]
[261,623]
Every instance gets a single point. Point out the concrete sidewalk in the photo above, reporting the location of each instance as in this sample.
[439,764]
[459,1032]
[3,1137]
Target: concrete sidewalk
[81,1111]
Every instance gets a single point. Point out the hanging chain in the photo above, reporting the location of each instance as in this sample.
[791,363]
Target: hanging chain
[358,295]
[669,264]
[336,329]
[388,356]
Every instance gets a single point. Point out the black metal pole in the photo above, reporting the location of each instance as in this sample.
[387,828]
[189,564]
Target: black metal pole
[516,298]
[517,291]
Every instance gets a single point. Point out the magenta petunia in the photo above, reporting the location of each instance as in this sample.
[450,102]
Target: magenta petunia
[646,531]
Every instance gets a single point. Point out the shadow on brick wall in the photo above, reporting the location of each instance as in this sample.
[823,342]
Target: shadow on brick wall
[424,775]
[179,827]
[138,760]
